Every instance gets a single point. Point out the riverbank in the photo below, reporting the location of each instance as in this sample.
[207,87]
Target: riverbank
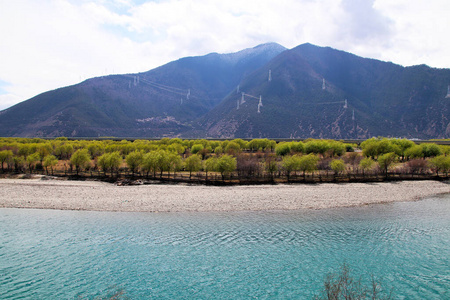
[102,196]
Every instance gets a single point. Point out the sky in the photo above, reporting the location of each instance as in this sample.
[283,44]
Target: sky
[47,44]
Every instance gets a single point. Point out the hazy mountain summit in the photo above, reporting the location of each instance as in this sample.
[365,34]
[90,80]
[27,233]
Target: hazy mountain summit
[265,91]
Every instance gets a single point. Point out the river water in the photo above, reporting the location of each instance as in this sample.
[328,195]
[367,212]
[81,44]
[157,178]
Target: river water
[51,254]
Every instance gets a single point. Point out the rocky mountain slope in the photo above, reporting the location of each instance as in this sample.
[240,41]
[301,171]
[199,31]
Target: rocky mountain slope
[307,91]
[325,93]
[161,102]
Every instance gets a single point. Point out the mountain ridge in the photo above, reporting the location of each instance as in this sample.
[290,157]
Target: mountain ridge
[313,91]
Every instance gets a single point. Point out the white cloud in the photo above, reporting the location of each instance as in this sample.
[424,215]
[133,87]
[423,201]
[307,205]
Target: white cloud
[52,43]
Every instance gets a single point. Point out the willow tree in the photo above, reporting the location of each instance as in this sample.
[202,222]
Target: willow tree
[225,164]
[50,161]
[385,161]
[338,166]
[192,164]
[6,157]
[134,161]
[308,163]
[80,159]
[290,164]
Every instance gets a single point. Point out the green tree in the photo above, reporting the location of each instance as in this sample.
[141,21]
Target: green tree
[308,163]
[430,150]
[6,157]
[441,163]
[283,149]
[297,147]
[403,145]
[196,148]
[375,147]
[317,147]
[414,151]
[115,161]
[174,162]
[192,164]
[366,164]
[233,148]
[19,163]
[385,161]
[44,150]
[271,165]
[210,165]
[50,161]
[134,161]
[80,159]
[338,166]
[290,163]
[225,164]
[32,159]
[149,163]
[162,162]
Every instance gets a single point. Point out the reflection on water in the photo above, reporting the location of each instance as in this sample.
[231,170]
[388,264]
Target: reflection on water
[264,255]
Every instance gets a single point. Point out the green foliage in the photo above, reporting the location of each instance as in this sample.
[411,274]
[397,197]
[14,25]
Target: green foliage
[413,152]
[134,160]
[210,164]
[317,146]
[297,147]
[350,147]
[242,144]
[149,162]
[337,165]
[375,147]
[441,163]
[366,164]
[225,164]
[63,151]
[271,165]
[19,163]
[430,150]
[233,148]
[80,159]
[290,163]
[218,150]
[95,149]
[32,159]
[6,157]
[403,145]
[50,161]
[308,163]
[110,162]
[196,148]
[283,149]
[385,161]
[336,148]
[192,164]
[174,162]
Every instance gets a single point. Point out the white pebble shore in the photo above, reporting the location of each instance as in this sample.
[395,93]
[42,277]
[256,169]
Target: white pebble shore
[101,196]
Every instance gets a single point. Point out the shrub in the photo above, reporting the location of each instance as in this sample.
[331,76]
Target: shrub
[343,286]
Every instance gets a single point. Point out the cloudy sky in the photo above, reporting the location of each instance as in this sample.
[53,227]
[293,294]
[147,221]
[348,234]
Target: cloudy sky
[47,44]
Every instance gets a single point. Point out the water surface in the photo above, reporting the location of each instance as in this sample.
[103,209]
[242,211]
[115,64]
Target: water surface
[50,254]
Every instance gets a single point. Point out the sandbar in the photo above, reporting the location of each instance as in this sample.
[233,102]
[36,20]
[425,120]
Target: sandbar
[102,196]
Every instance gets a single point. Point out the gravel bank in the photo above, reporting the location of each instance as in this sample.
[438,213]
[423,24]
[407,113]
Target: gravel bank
[101,196]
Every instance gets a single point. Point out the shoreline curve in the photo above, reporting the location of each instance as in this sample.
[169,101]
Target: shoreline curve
[102,196]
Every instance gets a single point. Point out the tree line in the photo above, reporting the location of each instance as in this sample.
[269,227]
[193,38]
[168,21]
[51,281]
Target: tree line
[237,159]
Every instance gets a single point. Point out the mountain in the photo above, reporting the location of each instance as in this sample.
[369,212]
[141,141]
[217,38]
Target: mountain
[307,91]
[321,92]
[161,102]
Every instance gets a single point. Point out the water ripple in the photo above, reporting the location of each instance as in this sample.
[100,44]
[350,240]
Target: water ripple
[264,255]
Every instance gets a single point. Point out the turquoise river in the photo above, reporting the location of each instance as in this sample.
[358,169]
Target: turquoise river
[51,254]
